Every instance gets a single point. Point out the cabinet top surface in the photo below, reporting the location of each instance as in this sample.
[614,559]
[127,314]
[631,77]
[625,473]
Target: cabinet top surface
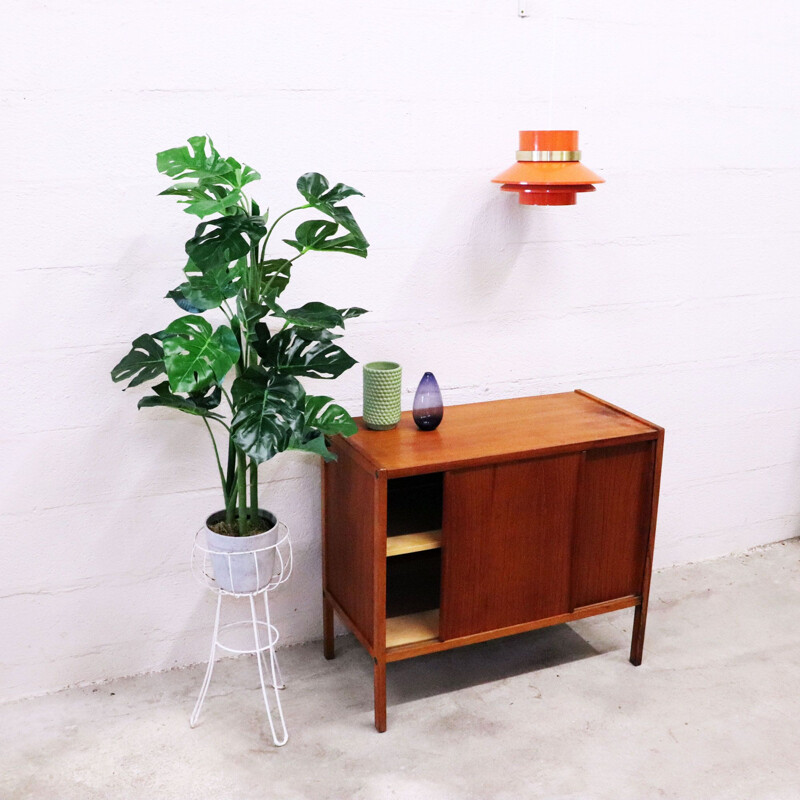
[499,430]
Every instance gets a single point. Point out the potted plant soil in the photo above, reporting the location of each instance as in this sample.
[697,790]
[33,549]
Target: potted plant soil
[241,376]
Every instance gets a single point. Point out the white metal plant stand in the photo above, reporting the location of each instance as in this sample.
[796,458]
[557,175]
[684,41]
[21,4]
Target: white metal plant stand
[270,566]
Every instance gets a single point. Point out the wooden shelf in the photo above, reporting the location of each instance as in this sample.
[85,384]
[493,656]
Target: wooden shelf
[413,542]
[412,628]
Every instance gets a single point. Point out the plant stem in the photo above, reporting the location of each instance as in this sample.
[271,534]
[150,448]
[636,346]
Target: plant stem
[264,289]
[272,227]
[241,477]
[230,485]
[236,329]
[230,511]
[253,490]
[219,463]
[254,275]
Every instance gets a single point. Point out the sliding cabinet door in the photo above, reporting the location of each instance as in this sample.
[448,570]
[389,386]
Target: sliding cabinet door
[612,528]
[506,544]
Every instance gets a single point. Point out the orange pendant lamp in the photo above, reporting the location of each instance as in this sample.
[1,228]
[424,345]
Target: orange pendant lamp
[548,171]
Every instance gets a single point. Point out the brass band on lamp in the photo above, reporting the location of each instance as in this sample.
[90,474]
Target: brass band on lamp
[548,155]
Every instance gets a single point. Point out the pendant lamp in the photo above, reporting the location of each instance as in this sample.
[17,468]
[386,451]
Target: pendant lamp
[548,171]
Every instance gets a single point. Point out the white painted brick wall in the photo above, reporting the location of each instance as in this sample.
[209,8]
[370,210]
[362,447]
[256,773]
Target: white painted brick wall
[673,290]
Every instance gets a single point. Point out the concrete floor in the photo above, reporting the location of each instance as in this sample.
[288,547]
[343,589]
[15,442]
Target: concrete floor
[713,712]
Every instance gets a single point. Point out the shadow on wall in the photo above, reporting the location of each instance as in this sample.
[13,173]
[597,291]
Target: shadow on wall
[498,232]
[461,263]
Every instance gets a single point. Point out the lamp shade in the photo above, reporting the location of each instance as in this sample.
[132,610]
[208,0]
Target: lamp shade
[548,171]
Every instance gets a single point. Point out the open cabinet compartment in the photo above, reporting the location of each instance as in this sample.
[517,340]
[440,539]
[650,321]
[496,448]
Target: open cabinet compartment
[414,560]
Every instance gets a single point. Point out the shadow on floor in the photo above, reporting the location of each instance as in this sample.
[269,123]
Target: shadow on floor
[487,662]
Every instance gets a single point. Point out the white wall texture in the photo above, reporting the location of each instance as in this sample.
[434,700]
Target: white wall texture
[673,290]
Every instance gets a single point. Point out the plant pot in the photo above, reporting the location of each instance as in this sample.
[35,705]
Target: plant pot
[243,564]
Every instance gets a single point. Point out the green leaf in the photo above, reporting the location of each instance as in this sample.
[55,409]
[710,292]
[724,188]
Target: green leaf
[212,205]
[207,288]
[210,287]
[204,200]
[321,418]
[240,174]
[306,353]
[345,244]
[352,312]
[191,190]
[251,313]
[260,337]
[144,362]
[312,186]
[198,404]
[310,315]
[197,357]
[344,217]
[204,400]
[315,444]
[318,234]
[317,334]
[180,299]
[275,277]
[339,192]
[268,412]
[209,184]
[202,161]
[220,241]
[312,233]
[323,415]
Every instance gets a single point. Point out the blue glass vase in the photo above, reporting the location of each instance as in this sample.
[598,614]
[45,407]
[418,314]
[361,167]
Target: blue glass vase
[428,408]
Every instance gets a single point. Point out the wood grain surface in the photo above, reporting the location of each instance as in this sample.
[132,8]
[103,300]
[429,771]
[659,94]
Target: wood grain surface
[349,547]
[506,544]
[613,523]
[502,430]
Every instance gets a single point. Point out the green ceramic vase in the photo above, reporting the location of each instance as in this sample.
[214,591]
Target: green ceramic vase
[382,387]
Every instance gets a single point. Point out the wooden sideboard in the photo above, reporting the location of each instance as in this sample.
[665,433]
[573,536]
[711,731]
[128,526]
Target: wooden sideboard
[512,515]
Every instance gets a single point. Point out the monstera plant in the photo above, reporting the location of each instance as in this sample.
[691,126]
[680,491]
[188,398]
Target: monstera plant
[241,377]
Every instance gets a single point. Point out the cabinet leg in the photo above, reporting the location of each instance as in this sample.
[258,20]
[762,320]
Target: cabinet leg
[637,640]
[327,629]
[380,696]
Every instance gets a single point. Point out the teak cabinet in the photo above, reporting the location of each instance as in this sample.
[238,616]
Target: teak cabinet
[512,515]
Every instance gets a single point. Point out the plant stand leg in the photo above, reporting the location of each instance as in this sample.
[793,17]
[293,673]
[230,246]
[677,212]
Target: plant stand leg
[327,629]
[268,667]
[273,655]
[209,670]
[380,695]
[284,737]
[637,640]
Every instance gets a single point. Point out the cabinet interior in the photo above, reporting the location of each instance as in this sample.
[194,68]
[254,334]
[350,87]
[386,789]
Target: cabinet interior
[414,562]
[414,504]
